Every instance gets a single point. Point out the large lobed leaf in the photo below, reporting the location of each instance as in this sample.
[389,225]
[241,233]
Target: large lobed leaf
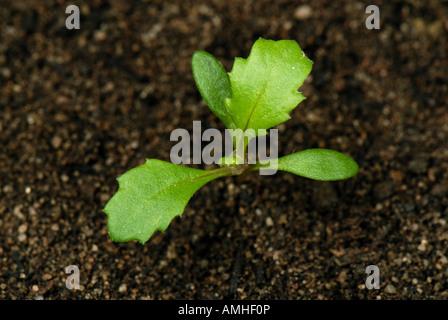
[150,196]
[264,86]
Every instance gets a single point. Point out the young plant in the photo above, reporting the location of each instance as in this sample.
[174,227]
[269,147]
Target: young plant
[257,94]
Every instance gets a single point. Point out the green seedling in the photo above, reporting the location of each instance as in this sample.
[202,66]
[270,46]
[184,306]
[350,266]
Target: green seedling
[257,94]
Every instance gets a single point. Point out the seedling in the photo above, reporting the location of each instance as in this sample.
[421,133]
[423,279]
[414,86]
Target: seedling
[257,94]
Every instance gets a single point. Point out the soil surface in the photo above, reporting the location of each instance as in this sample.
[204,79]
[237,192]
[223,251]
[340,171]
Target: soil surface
[78,108]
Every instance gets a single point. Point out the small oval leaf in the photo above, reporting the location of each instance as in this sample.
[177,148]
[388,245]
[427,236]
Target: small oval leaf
[319,164]
[213,83]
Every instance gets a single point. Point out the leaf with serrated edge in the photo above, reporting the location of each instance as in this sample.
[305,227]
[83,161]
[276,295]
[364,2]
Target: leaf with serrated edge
[213,83]
[318,164]
[264,86]
[150,196]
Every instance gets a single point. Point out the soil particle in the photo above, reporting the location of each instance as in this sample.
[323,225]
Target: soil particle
[440,190]
[390,289]
[383,190]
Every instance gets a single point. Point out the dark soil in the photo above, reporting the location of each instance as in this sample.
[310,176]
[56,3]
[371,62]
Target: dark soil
[78,108]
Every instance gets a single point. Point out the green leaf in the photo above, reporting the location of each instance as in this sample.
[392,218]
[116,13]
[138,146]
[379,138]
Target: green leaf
[264,86]
[150,196]
[319,164]
[213,83]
